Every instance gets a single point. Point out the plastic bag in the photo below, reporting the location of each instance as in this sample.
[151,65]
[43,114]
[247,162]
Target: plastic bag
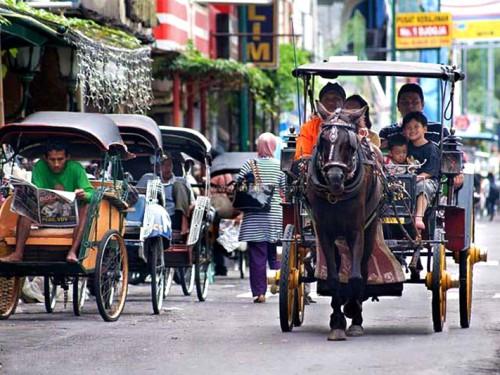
[229,232]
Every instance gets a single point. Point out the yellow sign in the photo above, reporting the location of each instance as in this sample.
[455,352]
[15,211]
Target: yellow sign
[262,46]
[423,30]
[476,29]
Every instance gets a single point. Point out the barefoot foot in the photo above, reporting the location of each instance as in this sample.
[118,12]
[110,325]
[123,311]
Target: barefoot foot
[71,258]
[12,258]
[419,223]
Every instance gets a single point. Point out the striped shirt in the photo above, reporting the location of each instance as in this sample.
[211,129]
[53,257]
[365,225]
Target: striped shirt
[264,226]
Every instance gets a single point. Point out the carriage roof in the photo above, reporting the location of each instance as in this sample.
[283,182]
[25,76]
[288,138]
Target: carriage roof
[89,134]
[188,141]
[138,129]
[334,69]
[230,162]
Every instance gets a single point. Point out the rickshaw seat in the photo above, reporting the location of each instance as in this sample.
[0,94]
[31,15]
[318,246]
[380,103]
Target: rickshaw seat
[134,218]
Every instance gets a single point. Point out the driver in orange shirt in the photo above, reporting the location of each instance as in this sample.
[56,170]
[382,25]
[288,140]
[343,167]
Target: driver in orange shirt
[332,96]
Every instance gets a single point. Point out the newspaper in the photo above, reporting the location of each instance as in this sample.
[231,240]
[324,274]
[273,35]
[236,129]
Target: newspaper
[46,207]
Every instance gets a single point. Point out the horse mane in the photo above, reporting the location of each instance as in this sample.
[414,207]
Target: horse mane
[340,116]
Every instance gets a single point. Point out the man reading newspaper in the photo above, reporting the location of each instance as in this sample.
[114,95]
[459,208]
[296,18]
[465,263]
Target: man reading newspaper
[56,171]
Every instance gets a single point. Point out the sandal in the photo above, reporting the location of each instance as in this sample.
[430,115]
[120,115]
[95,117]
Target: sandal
[260,299]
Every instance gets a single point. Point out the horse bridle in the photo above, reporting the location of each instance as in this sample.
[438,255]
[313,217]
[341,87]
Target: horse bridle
[349,171]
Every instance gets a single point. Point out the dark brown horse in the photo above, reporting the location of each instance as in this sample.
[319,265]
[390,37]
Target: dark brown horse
[344,192]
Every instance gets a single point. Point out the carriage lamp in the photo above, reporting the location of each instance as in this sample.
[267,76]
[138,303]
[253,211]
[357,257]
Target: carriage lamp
[451,162]
[24,61]
[68,69]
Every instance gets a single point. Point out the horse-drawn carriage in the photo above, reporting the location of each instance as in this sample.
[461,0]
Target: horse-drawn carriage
[341,201]
[102,256]
[190,250]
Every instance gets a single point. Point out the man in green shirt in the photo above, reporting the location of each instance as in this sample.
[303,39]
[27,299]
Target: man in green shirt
[56,171]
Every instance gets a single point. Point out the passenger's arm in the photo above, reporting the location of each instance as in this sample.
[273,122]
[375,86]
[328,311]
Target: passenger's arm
[84,186]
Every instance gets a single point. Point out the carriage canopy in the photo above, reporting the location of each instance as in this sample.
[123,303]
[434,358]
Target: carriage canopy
[188,141]
[89,134]
[138,132]
[330,70]
[230,162]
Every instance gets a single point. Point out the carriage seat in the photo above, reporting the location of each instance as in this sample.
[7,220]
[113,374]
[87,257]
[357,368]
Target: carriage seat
[135,215]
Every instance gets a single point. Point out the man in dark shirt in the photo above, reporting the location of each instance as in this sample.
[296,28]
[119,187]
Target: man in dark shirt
[427,154]
[411,99]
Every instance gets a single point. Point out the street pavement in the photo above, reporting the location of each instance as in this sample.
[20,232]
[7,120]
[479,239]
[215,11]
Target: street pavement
[228,334]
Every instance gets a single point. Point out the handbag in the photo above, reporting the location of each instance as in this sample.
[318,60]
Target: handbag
[253,197]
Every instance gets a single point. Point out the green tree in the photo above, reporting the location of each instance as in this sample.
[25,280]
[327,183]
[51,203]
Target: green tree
[476,76]
[285,85]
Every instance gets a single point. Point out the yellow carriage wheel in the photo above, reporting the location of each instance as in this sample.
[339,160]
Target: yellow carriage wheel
[465,288]
[9,295]
[287,290]
[298,316]
[438,287]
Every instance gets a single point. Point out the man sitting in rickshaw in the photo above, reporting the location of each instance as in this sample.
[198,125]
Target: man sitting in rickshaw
[56,171]
[177,194]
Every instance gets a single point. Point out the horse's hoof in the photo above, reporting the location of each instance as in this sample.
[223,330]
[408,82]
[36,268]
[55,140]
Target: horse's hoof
[355,331]
[337,335]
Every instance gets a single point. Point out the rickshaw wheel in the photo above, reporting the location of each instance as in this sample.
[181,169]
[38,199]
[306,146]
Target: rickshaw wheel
[9,295]
[169,278]
[299,299]
[79,294]
[438,288]
[286,293]
[156,264]
[465,288]
[202,260]
[49,293]
[186,276]
[111,276]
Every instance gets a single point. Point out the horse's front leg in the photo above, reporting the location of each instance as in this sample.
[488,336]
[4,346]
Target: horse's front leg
[355,240]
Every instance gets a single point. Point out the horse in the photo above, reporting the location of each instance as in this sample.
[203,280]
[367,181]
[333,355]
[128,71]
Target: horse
[344,191]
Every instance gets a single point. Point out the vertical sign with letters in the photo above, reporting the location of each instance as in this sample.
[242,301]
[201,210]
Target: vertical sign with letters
[262,48]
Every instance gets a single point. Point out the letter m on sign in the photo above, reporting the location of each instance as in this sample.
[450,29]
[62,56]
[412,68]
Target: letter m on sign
[261,45]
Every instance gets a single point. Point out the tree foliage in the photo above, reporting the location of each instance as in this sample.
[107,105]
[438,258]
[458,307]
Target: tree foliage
[285,85]
[476,76]
[107,35]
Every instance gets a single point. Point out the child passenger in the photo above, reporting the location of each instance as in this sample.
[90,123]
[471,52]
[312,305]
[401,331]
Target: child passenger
[427,154]
[398,154]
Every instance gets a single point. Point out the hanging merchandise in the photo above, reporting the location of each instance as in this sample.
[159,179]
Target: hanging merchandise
[111,76]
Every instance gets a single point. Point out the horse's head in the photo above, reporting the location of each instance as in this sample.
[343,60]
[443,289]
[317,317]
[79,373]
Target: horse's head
[337,146]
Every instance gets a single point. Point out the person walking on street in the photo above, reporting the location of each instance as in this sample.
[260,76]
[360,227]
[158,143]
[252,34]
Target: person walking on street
[263,229]
[492,198]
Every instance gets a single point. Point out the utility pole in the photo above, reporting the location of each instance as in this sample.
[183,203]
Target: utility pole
[393,58]
[244,100]
[2,116]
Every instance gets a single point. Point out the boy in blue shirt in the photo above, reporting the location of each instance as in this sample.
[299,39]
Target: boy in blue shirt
[427,154]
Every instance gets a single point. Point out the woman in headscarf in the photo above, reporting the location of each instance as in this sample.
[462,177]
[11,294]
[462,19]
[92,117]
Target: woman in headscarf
[263,229]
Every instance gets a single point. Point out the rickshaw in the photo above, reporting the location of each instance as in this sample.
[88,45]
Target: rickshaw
[192,256]
[450,218]
[143,234]
[231,162]
[102,256]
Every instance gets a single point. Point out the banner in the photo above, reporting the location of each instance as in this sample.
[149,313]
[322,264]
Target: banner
[262,47]
[476,30]
[423,30]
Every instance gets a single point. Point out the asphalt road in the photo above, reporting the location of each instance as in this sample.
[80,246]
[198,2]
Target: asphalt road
[228,334]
